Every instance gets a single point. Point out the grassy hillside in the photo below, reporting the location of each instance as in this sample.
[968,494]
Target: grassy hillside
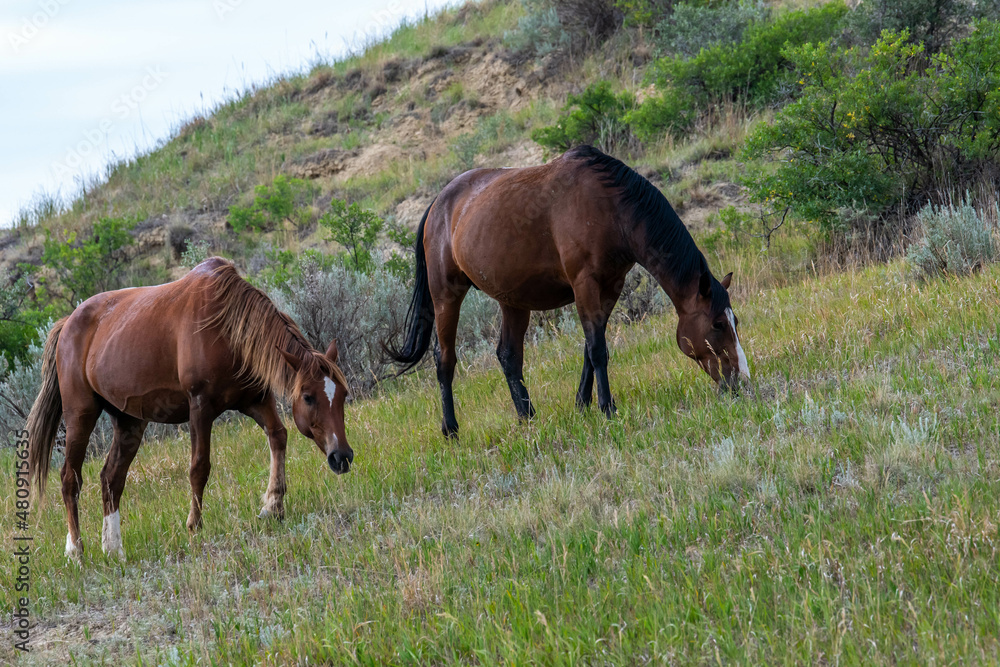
[846,512]
[386,128]
[843,511]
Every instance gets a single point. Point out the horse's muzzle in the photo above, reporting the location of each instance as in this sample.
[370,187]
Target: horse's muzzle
[340,462]
[734,386]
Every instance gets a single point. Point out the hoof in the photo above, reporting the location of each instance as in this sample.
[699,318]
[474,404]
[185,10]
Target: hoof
[118,553]
[111,536]
[73,549]
[193,524]
[277,513]
[450,432]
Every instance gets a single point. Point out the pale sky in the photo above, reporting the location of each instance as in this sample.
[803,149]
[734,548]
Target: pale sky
[85,81]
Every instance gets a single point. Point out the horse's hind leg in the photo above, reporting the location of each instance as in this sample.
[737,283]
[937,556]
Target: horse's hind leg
[447,304]
[266,416]
[127,437]
[510,353]
[586,391]
[80,421]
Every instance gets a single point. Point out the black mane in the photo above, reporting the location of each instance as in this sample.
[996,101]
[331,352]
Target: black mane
[643,204]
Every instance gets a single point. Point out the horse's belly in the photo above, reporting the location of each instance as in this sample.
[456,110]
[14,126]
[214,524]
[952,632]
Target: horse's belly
[536,294]
[163,406]
[528,278]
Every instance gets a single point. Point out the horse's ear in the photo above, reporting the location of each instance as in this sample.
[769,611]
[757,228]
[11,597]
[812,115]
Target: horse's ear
[727,280]
[292,360]
[705,284]
[332,352]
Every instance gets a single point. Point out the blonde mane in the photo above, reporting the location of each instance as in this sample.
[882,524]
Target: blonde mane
[255,329]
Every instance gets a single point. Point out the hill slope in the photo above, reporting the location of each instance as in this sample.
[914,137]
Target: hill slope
[845,512]
[387,128]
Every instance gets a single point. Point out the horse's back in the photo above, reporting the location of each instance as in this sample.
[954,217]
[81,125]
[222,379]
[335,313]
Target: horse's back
[131,346]
[523,235]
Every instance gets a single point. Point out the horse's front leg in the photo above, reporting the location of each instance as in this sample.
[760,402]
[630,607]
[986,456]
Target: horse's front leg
[201,446]
[594,307]
[265,414]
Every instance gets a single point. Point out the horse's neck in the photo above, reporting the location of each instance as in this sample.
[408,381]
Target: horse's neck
[657,262]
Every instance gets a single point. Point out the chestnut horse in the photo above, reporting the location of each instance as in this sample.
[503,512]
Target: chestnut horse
[185,351]
[543,237]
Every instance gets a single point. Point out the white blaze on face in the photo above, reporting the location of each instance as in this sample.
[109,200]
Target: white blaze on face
[330,389]
[744,367]
[111,535]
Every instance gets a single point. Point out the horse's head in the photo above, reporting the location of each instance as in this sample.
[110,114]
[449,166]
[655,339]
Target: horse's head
[318,407]
[708,332]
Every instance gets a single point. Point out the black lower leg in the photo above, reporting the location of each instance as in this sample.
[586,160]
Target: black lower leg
[515,382]
[445,376]
[510,353]
[597,350]
[586,391]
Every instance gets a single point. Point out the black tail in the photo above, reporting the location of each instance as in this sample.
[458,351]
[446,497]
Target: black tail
[420,318]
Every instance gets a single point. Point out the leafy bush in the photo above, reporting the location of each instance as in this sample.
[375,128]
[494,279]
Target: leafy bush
[955,240]
[755,69]
[286,199]
[85,267]
[329,300]
[195,252]
[539,31]
[644,13]
[550,26]
[596,116]
[354,228]
[19,387]
[492,134]
[880,131]
[641,297]
[19,320]
[693,27]
[933,23]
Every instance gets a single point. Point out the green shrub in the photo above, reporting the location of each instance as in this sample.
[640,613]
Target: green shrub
[195,252]
[880,131]
[550,26]
[692,27]
[596,116]
[401,265]
[492,134]
[286,199]
[755,69]
[933,23]
[85,267]
[954,240]
[539,31]
[354,228]
[20,320]
[19,386]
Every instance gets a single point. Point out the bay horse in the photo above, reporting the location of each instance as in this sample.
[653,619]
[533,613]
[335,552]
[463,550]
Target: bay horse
[539,238]
[186,351]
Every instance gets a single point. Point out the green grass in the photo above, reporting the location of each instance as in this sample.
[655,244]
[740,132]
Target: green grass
[846,512]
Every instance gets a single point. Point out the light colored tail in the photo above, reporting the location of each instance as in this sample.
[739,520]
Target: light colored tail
[46,413]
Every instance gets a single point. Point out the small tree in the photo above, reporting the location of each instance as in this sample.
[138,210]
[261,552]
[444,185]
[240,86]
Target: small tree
[354,228]
[595,116]
[95,264]
[20,320]
[284,200]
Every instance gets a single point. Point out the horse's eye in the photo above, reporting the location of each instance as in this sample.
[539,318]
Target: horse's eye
[309,399]
[718,325]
